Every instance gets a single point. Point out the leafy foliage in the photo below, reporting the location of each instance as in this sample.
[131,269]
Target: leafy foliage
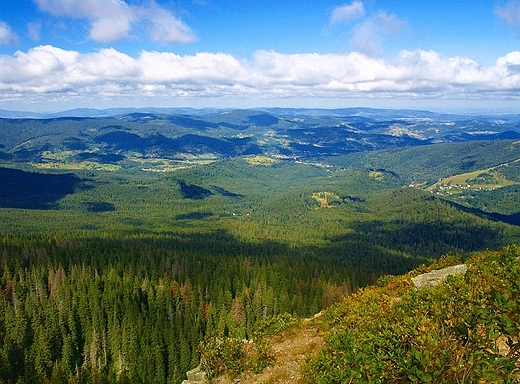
[222,355]
[465,330]
[231,356]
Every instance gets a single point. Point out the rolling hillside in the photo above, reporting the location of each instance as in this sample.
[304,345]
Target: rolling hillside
[128,242]
[163,140]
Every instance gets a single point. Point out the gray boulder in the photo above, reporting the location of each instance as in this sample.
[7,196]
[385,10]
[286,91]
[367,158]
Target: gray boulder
[196,376]
[433,278]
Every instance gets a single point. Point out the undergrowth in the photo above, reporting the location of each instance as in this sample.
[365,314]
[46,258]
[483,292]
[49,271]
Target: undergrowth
[463,331]
[231,356]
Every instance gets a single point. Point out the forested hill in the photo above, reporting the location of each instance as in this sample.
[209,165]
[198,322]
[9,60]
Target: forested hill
[130,139]
[428,164]
[127,242]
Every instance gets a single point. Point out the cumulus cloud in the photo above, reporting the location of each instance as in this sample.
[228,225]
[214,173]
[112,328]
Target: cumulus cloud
[110,20]
[47,71]
[510,13]
[113,20]
[347,12]
[7,36]
[165,27]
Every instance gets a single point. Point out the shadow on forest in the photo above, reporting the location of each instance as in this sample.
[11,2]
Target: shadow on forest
[31,190]
[192,191]
[513,219]
[99,206]
[193,216]
[168,147]
[225,192]
[431,239]
[363,261]
[350,253]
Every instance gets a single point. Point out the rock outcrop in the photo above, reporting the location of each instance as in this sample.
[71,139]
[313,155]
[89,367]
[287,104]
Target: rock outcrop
[433,278]
[196,376]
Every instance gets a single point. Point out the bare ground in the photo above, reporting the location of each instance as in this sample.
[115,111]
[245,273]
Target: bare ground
[289,354]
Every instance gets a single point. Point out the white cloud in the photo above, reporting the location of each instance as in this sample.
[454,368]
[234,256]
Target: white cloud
[510,13]
[45,72]
[109,30]
[110,19]
[368,35]
[166,28]
[115,20]
[368,32]
[42,69]
[107,65]
[7,36]
[347,12]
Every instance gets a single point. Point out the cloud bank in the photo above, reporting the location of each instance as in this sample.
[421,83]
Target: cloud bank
[115,20]
[47,72]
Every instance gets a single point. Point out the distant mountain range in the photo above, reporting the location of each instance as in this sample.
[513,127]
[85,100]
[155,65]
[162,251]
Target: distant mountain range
[92,112]
[371,113]
[118,135]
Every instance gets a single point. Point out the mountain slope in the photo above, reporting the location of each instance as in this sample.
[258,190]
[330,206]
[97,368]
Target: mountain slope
[463,330]
[428,164]
[130,138]
[162,233]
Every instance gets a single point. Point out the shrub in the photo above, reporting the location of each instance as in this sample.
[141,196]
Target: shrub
[462,331]
[222,355]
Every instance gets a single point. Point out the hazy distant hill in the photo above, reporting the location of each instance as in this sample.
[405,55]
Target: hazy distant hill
[93,112]
[353,112]
[132,133]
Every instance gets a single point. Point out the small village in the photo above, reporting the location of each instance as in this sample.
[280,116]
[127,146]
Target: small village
[457,189]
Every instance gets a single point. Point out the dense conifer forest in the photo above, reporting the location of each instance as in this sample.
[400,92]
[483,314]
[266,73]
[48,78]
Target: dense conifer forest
[117,272]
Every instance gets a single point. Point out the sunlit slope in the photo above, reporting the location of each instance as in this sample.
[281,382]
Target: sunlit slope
[359,214]
[465,330]
[428,164]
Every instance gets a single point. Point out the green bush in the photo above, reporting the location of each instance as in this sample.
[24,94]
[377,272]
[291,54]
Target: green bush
[462,331]
[274,324]
[222,355]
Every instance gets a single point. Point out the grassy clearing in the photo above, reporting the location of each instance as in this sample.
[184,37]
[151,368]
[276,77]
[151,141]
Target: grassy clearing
[261,160]
[484,179]
[377,175]
[82,165]
[326,198]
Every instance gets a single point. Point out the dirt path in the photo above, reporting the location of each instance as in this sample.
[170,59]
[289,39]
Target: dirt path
[289,354]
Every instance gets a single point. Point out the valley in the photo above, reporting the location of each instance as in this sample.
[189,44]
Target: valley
[155,141]
[133,241]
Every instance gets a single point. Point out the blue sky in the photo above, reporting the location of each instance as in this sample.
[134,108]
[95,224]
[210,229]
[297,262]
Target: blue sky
[438,55]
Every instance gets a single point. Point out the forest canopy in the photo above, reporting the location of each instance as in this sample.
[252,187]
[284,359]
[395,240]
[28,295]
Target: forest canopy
[120,254]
